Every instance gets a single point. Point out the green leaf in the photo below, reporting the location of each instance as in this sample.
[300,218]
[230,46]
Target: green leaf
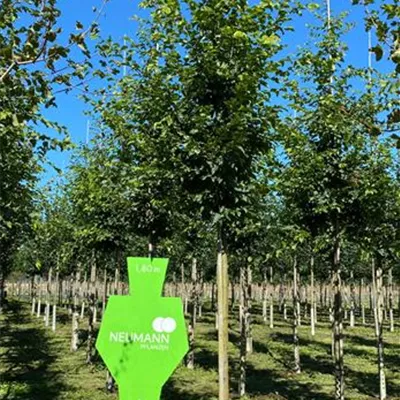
[271,40]
[239,35]
[378,52]
[313,6]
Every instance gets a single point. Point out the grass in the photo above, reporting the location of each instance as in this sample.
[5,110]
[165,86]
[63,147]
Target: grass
[36,364]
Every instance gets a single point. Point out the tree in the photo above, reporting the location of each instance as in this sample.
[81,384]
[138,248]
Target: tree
[383,18]
[326,149]
[30,55]
[200,111]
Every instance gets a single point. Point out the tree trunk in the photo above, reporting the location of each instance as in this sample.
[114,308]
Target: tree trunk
[2,291]
[193,316]
[104,300]
[243,333]
[338,323]
[297,367]
[152,248]
[223,310]
[271,298]
[75,330]
[91,311]
[264,299]
[362,307]
[247,310]
[298,299]
[374,298]
[48,294]
[233,299]
[379,300]
[54,320]
[352,300]
[391,318]
[312,300]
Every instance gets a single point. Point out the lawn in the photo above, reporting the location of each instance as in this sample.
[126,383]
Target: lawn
[37,364]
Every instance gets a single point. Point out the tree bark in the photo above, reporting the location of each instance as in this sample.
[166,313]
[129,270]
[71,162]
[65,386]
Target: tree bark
[338,322]
[2,291]
[271,298]
[312,300]
[381,362]
[391,317]
[247,311]
[223,311]
[374,298]
[264,299]
[75,330]
[297,367]
[352,300]
[243,333]
[91,312]
[193,315]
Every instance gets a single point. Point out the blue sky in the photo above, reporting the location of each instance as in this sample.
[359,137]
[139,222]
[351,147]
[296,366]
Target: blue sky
[116,21]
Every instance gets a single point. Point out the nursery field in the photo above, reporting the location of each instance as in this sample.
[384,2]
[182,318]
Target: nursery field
[37,363]
[241,155]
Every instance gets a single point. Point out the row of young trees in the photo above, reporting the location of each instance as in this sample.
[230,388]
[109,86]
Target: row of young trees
[36,62]
[212,139]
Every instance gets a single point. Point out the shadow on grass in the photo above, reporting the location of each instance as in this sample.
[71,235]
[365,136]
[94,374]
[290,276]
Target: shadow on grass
[25,359]
[170,392]
[370,342]
[270,383]
[206,359]
[368,384]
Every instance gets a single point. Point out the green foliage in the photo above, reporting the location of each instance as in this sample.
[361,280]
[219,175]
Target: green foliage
[383,18]
[337,182]
[31,58]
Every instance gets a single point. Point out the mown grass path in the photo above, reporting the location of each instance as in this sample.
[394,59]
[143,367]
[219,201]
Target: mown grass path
[37,364]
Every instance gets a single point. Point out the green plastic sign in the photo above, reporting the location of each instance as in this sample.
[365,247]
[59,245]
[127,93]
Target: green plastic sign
[143,336]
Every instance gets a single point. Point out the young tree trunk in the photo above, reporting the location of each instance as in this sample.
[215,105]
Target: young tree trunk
[91,309]
[183,289]
[152,248]
[54,320]
[379,300]
[271,309]
[361,300]
[338,323]
[33,305]
[75,331]
[2,291]
[312,300]
[247,310]
[200,295]
[223,310]
[297,367]
[391,317]
[271,298]
[193,315]
[233,296]
[104,300]
[116,281]
[374,298]
[243,333]
[39,307]
[48,293]
[213,308]
[110,384]
[264,299]
[298,300]
[352,300]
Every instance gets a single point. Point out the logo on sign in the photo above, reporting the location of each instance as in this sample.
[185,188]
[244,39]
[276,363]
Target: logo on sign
[167,325]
